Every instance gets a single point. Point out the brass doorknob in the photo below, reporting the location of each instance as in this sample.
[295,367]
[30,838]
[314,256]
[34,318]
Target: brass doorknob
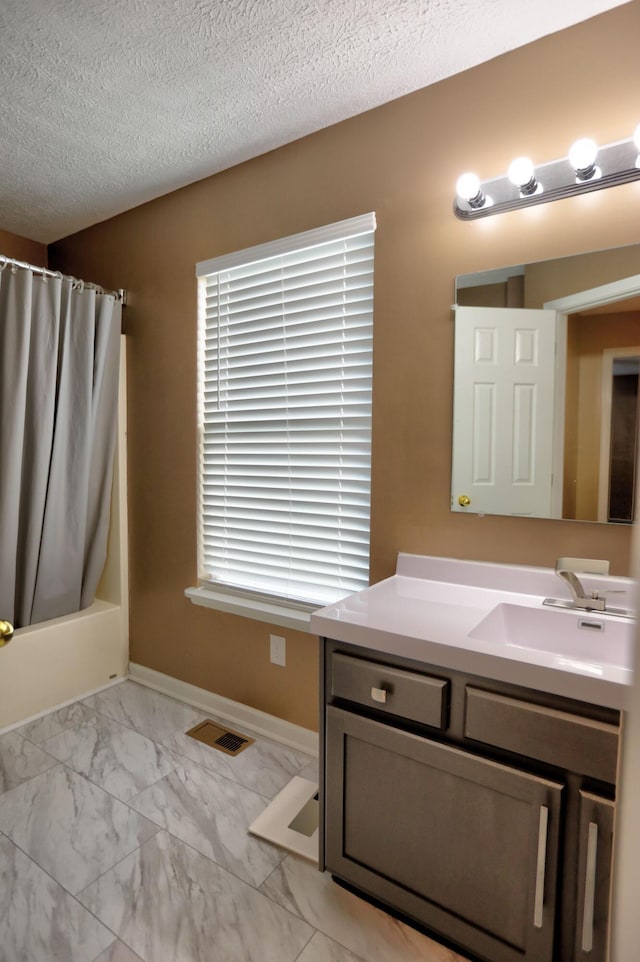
[464,500]
[6,632]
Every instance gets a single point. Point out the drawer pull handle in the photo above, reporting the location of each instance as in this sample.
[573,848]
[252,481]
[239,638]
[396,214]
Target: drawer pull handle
[541,865]
[590,888]
[379,694]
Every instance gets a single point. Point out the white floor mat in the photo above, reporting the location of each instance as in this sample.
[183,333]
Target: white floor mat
[291,819]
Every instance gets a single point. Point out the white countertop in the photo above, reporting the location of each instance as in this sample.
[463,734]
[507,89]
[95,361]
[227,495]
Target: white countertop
[429,609]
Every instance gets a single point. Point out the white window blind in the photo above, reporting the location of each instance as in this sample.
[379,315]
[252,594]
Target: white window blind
[285,352]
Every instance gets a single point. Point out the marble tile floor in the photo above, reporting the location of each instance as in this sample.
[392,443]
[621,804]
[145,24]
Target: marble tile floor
[123,840]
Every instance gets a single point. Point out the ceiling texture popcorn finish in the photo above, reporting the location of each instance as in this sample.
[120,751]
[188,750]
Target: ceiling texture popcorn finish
[107,104]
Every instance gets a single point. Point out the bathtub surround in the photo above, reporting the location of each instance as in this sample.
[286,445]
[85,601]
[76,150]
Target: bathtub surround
[49,665]
[169,872]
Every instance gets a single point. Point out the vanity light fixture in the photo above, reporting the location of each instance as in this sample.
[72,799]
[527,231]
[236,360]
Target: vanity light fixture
[588,167]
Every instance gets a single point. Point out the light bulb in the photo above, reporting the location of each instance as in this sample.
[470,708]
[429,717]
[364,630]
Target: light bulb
[582,156]
[468,186]
[469,189]
[521,175]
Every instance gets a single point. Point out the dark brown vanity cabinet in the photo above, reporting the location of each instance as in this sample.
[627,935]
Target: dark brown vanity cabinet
[504,851]
[471,844]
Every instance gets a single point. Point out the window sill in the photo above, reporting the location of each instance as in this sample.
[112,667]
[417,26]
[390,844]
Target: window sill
[257,608]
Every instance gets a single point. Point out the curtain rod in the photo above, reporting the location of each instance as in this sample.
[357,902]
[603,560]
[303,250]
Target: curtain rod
[120,294]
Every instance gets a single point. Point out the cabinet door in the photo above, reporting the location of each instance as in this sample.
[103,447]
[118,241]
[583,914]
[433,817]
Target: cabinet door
[464,845]
[594,877]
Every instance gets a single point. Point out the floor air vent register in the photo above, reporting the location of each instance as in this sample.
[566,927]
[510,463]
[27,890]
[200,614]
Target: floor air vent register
[291,818]
[224,739]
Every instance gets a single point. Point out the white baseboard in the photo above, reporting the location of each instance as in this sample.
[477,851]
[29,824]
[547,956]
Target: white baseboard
[234,712]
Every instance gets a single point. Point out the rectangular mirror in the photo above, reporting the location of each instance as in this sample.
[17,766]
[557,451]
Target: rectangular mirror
[546,388]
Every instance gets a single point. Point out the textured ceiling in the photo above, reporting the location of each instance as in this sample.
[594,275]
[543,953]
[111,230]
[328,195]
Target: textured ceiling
[106,104]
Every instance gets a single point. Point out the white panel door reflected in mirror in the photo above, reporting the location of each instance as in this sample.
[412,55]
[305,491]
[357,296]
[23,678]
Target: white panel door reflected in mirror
[503,410]
[541,436]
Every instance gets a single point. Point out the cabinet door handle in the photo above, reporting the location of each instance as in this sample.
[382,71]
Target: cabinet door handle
[379,694]
[541,864]
[590,888]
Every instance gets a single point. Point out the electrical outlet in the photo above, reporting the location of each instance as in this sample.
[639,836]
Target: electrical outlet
[278,650]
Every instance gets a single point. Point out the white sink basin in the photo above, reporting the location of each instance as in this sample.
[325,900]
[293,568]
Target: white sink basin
[581,636]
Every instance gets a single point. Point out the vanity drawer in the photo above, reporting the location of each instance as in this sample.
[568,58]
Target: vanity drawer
[557,737]
[409,694]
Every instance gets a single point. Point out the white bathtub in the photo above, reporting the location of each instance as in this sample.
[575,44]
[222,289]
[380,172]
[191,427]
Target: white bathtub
[55,662]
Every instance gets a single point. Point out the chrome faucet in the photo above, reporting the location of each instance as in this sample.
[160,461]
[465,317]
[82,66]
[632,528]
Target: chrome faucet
[569,568]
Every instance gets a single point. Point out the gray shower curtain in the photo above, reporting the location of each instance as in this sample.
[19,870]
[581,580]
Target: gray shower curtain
[59,359]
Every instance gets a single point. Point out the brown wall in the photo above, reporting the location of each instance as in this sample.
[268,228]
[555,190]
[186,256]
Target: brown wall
[401,161]
[12,245]
[550,280]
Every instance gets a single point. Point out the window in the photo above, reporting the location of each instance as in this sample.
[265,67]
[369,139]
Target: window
[285,351]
